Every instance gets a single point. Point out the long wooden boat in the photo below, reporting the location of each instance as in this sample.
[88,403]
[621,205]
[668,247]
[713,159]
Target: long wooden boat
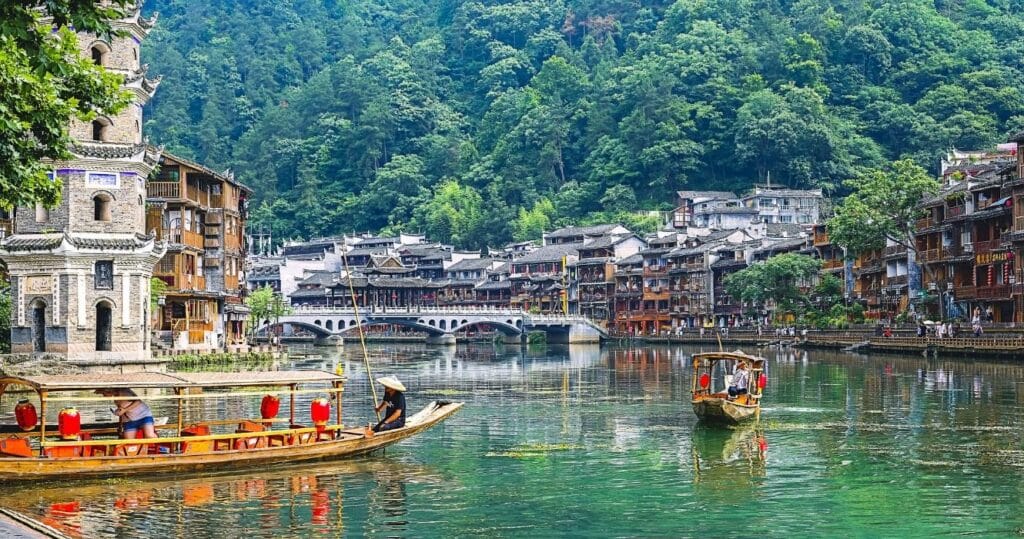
[196,446]
[714,405]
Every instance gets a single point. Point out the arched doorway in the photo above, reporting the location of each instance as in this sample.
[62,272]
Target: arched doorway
[39,326]
[104,321]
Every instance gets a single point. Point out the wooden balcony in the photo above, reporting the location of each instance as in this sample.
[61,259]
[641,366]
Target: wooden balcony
[172,191]
[955,211]
[988,245]
[896,280]
[166,190]
[831,264]
[965,292]
[998,291]
[182,237]
[820,238]
[655,271]
[214,218]
[931,255]
[182,282]
[211,243]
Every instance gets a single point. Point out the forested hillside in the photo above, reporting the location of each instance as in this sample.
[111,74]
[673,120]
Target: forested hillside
[482,121]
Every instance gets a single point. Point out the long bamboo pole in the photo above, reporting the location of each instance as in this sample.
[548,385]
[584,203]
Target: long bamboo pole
[359,327]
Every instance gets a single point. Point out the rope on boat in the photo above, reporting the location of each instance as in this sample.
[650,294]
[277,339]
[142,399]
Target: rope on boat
[359,327]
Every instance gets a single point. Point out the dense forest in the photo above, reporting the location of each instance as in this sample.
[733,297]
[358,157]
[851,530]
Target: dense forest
[483,121]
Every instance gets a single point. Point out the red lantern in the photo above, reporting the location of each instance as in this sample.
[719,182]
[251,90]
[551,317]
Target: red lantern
[25,412]
[762,381]
[69,424]
[320,411]
[705,380]
[270,406]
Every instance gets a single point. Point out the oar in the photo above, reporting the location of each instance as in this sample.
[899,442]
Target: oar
[359,327]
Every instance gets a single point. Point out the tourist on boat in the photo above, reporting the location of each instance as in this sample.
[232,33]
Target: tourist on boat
[134,414]
[739,380]
[392,408]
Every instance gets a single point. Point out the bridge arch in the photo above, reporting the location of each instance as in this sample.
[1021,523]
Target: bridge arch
[503,327]
[315,329]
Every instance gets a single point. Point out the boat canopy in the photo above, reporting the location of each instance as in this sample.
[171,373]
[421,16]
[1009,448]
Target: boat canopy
[733,356]
[145,380]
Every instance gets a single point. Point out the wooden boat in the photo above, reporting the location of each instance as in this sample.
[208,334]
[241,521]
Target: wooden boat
[714,405]
[95,451]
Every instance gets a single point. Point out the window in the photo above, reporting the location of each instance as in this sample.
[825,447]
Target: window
[804,218]
[104,275]
[785,218]
[101,207]
[99,131]
[98,55]
[42,214]
[101,179]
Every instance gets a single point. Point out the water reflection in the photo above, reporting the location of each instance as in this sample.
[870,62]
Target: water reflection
[603,441]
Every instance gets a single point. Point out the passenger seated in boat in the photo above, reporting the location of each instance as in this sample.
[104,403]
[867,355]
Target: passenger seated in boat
[739,381]
[134,414]
[393,406]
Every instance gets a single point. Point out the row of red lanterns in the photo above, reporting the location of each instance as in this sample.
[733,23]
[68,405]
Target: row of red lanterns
[705,381]
[69,420]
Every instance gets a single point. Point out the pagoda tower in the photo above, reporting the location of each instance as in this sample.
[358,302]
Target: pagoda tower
[80,271]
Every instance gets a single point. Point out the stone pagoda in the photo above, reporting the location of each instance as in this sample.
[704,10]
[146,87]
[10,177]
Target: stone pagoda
[80,271]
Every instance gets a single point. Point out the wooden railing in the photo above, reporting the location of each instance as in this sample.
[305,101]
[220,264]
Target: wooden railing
[1018,223]
[986,246]
[183,237]
[833,263]
[995,291]
[163,190]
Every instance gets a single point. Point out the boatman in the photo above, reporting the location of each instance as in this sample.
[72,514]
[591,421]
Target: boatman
[134,414]
[739,380]
[392,408]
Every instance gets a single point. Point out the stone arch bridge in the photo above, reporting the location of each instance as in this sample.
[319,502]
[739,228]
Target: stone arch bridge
[439,324]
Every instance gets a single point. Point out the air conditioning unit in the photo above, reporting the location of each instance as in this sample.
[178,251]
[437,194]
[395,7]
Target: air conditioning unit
[932,286]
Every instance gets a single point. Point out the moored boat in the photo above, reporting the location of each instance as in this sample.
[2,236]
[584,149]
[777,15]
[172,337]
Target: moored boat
[713,404]
[35,450]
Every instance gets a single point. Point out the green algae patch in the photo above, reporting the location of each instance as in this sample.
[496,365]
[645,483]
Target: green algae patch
[528,451]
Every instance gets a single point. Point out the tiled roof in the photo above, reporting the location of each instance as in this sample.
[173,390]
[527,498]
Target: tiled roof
[495,285]
[603,242]
[634,259]
[550,253]
[472,264]
[570,231]
[49,242]
[724,195]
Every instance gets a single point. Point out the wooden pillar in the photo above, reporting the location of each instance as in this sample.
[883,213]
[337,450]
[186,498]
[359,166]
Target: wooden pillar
[42,421]
[291,405]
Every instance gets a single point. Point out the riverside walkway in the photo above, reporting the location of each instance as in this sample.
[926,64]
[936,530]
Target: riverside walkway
[1001,342]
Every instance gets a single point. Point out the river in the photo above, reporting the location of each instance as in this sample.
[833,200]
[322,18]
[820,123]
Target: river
[602,442]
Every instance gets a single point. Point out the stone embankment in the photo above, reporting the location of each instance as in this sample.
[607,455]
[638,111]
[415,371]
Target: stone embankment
[999,342]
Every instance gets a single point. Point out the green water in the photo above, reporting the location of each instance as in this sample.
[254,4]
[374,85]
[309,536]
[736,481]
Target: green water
[602,443]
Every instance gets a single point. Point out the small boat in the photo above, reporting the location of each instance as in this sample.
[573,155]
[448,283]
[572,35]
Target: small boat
[35,450]
[712,404]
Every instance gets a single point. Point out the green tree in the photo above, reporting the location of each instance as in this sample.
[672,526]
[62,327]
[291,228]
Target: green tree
[780,284]
[532,223]
[264,305]
[883,206]
[44,84]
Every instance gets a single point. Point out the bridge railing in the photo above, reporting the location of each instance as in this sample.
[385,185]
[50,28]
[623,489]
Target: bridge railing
[407,310]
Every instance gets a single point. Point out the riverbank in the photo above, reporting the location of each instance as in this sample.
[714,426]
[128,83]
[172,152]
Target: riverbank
[1004,345]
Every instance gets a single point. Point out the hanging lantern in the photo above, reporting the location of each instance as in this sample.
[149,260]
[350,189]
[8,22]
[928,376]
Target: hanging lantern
[269,407]
[705,381]
[320,411]
[991,275]
[69,424]
[762,381]
[25,412]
